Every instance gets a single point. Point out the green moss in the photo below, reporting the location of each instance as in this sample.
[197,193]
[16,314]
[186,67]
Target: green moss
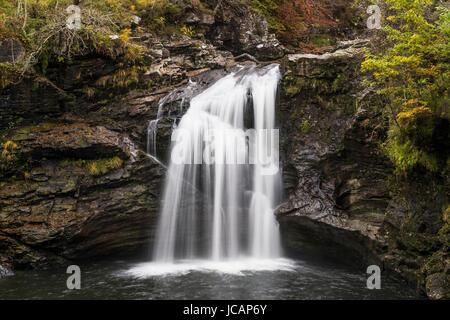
[444,232]
[328,82]
[339,83]
[417,124]
[444,235]
[323,40]
[291,91]
[306,126]
[124,78]
[95,167]
[419,243]
[67,207]
[293,85]
[70,185]
[437,286]
[46,42]
[8,74]
[434,264]
[409,142]
[9,156]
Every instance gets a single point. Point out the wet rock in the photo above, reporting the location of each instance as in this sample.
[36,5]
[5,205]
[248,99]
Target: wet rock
[11,51]
[181,58]
[22,104]
[240,29]
[419,242]
[438,285]
[73,215]
[62,141]
[176,102]
[311,65]
[341,173]
[53,208]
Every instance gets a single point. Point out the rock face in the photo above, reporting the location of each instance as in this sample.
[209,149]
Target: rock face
[76,182]
[341,188]
[67,208]
[239,29]
[340,175]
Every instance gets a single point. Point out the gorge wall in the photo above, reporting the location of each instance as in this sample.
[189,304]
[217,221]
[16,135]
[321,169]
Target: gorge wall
[78,184]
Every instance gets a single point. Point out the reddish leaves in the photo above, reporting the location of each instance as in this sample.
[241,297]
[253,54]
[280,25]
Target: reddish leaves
[297,16]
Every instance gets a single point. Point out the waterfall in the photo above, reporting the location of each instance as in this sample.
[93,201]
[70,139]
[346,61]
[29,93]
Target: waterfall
[223,182]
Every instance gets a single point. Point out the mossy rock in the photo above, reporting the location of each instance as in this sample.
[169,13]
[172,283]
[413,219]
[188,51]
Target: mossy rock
[444,232]
[323,40]
[420,243]
[438,286]
[96,167]
[444,235]
[434,264]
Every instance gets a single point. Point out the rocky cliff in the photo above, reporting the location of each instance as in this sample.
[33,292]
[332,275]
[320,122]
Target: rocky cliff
[342,190]
[76,182]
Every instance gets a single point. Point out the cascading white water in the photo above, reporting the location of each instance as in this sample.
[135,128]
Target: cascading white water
[217,205]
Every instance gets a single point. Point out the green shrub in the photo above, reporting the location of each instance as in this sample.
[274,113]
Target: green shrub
[411,73]
[95,167]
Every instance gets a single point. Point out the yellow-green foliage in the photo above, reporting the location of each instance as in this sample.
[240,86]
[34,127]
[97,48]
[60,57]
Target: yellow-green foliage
[95,167]
[306,126]
[292,85]
[412,73]
[408,141]
[414,68]
[417,124]
[446,214]
[42,30]
[122,78]
[187,31]
[406,155]
[8,151]
[444,232]
[106,29]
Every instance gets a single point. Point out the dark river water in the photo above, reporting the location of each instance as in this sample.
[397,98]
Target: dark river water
[280,279]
